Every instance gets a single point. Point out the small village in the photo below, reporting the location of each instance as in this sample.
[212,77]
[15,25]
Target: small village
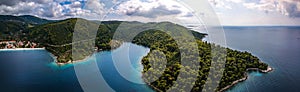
[17,44]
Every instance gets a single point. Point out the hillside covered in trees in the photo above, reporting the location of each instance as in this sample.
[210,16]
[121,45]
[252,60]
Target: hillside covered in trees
[235,67]
[57,38]
[16,27]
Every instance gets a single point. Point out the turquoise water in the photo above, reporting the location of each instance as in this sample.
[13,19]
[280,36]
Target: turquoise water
[34,70]
[277,46]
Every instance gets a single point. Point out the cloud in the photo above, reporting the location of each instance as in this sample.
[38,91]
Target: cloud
[20,7]
[153,12]
[51,9]
[289,8]
[94,9]
[76,4]
[95,6]
[235,1]
[14,2]
[8,2]
[148,9]
[189,14]
[222,3]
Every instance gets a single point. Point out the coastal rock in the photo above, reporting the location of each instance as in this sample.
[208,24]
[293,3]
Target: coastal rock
[269,69]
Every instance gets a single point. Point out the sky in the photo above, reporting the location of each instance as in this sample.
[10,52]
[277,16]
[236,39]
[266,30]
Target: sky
[229,12]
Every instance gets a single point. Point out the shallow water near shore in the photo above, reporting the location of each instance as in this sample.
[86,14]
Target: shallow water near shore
[34,70]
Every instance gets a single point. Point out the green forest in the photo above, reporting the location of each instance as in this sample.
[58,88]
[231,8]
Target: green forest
[236,62]
[56,37]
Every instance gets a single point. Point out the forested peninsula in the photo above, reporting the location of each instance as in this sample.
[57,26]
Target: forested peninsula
[56,37]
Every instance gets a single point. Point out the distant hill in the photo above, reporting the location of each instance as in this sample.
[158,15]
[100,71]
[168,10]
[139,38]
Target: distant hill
[35,20]
[28,19]
[15,27]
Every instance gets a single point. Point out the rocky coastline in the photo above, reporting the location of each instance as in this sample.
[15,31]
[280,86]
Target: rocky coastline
[269,69]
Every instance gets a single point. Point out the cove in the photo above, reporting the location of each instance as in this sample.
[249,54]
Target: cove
[34,70]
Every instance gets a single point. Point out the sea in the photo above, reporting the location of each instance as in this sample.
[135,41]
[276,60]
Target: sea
[35,70]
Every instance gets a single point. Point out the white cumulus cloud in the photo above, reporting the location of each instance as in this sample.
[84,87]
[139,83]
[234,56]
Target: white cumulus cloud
[150,8]
[289,8]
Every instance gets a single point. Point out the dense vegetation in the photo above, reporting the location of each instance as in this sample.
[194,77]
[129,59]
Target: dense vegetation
[15,27]
[56,37]
[236,62]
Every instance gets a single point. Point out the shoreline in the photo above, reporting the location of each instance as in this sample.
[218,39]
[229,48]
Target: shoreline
[269,69]
[20,49]
[76,61]
[234,82]
[72,62]
[113,43]
[52,55]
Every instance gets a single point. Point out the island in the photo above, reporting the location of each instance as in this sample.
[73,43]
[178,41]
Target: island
[56,37]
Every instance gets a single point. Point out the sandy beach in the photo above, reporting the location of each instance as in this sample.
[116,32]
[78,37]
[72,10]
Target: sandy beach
[19,49]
